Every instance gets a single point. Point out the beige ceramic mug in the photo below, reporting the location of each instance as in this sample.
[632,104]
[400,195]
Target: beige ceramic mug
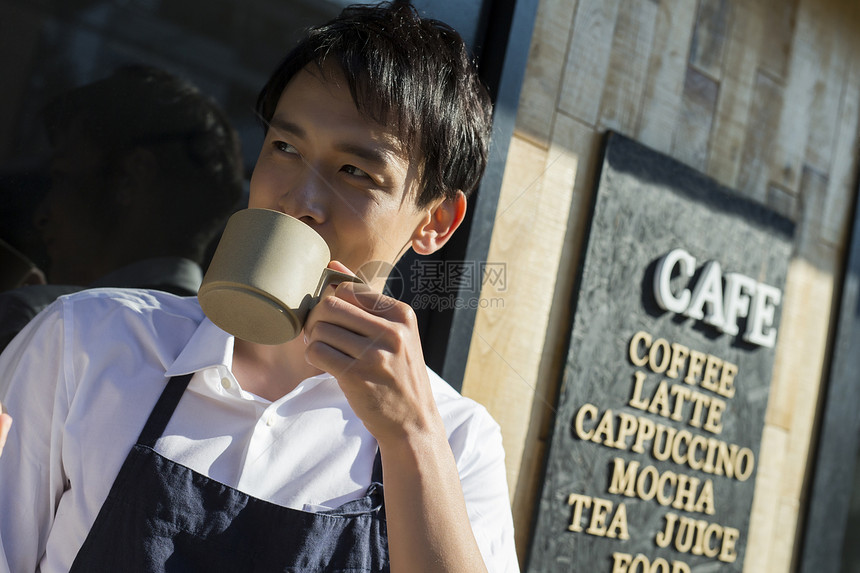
[268,271]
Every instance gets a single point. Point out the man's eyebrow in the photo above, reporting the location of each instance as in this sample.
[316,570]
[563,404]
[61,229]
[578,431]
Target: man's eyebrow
[282,124]
[372,153]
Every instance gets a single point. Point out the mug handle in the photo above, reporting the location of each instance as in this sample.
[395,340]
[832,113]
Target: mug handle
[333,277]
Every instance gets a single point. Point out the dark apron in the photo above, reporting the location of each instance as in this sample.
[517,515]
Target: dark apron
[162,516]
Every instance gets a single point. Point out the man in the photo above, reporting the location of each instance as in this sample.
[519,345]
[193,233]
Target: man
[145,170]
[336,451]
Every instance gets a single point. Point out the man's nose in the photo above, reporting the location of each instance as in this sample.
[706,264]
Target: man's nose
[305,197]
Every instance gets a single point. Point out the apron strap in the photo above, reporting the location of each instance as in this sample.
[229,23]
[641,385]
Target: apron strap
[376,476]
[163,410]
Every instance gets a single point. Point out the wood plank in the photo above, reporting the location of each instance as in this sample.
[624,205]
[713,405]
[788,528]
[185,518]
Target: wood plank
[628,66]
[664,83]
[584,143]
[805,312]
[811,42]
[794,392]
[776,44]
[805,372]
[501,371]
[787,513]
[808,380]
[798,369]
[574,139]
[709,37]
[698,105]
[588,59]
[761,129]
[813,192]
[542,81]
[824,111]
[736,93]
[763,525]
[507,376]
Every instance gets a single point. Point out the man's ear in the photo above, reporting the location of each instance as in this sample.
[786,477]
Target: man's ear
[441,219]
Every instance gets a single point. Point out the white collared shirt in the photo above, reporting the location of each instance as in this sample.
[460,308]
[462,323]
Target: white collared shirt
[82,378]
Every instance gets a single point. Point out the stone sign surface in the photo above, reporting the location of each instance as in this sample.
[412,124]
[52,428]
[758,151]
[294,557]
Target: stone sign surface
[653,456]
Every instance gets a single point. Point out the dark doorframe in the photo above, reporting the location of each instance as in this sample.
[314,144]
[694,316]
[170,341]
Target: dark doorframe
[502,44]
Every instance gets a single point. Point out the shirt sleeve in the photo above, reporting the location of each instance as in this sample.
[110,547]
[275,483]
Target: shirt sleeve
[481,465]
[33,389]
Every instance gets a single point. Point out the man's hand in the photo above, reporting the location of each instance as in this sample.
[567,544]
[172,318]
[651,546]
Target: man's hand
[5,425]
[369,342]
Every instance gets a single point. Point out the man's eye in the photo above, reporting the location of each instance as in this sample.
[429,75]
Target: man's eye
[353,170]
[285,147]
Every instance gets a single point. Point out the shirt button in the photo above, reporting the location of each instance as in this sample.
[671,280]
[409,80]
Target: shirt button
[225,383]
[270,419]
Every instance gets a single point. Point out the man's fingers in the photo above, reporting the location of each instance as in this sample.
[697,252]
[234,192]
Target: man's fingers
[371,301]
[345,341]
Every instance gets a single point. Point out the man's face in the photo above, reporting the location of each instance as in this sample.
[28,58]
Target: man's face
[339,172]
[71,218]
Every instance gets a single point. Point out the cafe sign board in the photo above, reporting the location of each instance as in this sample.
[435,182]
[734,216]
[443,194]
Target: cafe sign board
[653,456]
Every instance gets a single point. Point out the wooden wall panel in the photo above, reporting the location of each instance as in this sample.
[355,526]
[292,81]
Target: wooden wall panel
[774,442]
[736,93]
[709,38]
[577,146]
[628,65]
[824,109]
[761,130]
[502,385]
[776,44]
[588,59]
[664,82]
[812,44]
[793,361]
[543,75]
[800,364]
[693,130]
[534,207]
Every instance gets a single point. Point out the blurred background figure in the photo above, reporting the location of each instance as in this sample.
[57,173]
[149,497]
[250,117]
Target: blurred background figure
[144,172]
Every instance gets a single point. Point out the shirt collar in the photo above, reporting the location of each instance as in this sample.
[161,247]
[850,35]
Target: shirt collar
[208,346]
[211,347]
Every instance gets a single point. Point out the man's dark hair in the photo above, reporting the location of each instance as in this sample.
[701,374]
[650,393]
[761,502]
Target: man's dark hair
[410,72]
[199,177]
